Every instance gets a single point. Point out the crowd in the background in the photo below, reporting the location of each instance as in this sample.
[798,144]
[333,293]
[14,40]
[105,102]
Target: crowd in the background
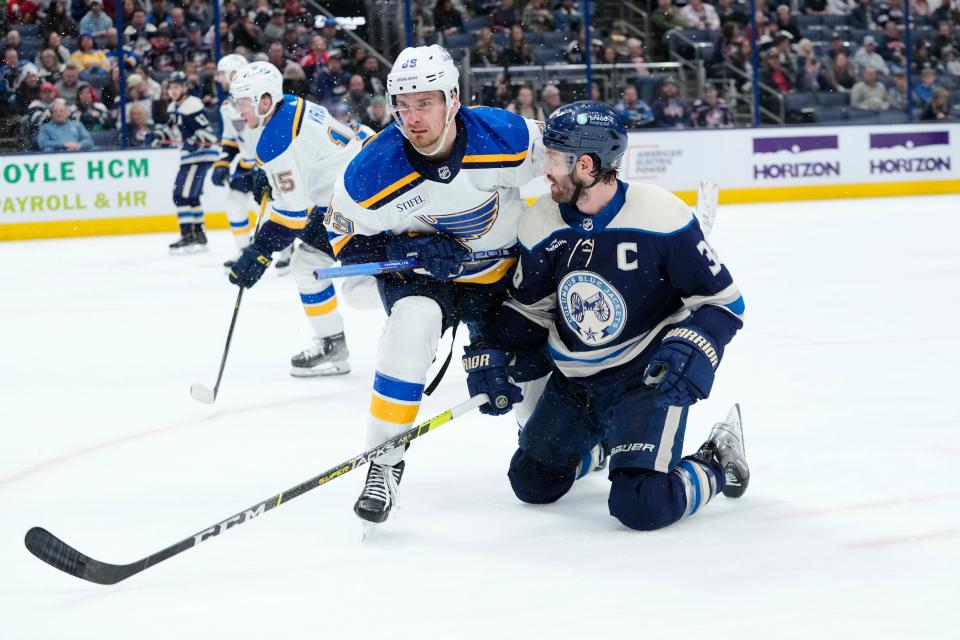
[61,55]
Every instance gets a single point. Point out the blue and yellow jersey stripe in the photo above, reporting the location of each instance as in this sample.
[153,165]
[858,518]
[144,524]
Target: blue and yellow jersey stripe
[404,184]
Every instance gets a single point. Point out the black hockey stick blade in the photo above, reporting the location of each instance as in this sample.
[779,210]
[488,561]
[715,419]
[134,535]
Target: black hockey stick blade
[60,555]
[202,393]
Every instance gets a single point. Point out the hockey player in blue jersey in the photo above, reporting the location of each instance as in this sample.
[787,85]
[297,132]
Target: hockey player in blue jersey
[189,128]
[636,309]
[439,182]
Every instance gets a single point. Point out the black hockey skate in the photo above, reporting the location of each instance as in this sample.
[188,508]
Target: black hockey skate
[327,357]
[192,240]
[379,492]
[725,443]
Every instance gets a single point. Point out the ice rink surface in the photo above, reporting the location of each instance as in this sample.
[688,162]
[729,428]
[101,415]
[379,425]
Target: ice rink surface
[846,372]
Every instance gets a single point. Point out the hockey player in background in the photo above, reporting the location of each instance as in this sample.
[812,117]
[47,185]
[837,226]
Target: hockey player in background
[438,183]
[189,128]
[302,149]
[636,309]
[237,142]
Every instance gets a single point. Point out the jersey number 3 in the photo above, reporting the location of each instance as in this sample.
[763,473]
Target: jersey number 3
[708,253]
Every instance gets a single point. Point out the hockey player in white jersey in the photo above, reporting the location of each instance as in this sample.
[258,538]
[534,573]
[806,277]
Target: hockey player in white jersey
[636,309]
[238,149]
[189,128]
[439,182]
[301,150]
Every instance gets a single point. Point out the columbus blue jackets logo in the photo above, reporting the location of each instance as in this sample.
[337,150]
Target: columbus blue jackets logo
[592,307]
[467,225]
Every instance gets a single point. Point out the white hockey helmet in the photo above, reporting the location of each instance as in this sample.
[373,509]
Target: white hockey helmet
[230,63]
[423,69]
[256,80]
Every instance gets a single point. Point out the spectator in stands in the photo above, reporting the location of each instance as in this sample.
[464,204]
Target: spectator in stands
[700,15]
[811,76]
[177,25]
[610,55]
[919,8]
[499,95]
[59,21]
[951,65]
[245,34]
[867,56]
[803,49]
[95,21]
[22,11]
[62,133]
[927,87]
[87,58]
[295,81]
[261,14]
[945,38]
[575,51]
[138,126]
[841,73]
[27,90]
[890,10]
[139,32]
[840,7]
[195,49]
[730,40]
[376,116]
[503,17]
[922,56]
[868,93]
[198,12]
[374,76]
[893,51]
[91,113]
[273,30]
[939,106]
[331,32]
[786,23]
[670,110]
[815,7]
[485,53]
[296,15]
[357,98]
[355,63]
[566,18]
[837,45]
[774,75]
[12,65]
[316,56]
[38,111]
[863,16]
[69,84]
[897,94]
[731,11]
[162,56]
[635,55]
[330,84]
[945,13]
[138,92]
[49,67]
[537,16]
[524,105]
[158,14]
[277,56]
[550,99]
[664,18]
[634,112]
[711,111]
[446,18]
[517,52]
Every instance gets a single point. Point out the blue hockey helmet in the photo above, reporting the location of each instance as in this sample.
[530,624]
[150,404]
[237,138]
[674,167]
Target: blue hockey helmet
[587,127]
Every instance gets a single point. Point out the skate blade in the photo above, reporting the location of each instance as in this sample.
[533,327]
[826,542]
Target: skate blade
[338,370]
[367,530]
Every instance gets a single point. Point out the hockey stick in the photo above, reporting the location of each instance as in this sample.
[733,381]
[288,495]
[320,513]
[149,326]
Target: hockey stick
[707,202]
[377,268]
[62,556]
[201,392]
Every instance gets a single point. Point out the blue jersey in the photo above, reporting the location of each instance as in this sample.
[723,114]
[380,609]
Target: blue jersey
[188,124]
[602,290]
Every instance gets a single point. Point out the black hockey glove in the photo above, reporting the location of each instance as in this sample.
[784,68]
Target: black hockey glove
[219,175]
[682,369]
[261,185]
[440,255]
[487,373]
[248,268]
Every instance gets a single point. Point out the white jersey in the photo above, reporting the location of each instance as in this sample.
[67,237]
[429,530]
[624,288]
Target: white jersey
[473,196]
[303,149]
[238,136]
[189,126]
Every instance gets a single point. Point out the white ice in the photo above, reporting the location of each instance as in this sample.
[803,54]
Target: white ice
[845,372]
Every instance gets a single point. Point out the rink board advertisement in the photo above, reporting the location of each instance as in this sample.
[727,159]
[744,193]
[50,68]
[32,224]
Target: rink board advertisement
[99,193]
[800,163]
[92,193]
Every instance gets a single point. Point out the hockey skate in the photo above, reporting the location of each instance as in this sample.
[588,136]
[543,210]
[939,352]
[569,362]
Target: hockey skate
[379,492]
[327,357]
[726,444]
[191,241]
[283,261]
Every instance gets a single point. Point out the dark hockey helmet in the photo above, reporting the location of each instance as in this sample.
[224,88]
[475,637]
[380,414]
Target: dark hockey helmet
[177,77]
[587,127]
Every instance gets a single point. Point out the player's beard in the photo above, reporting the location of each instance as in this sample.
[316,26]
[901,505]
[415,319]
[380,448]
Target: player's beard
[561,189]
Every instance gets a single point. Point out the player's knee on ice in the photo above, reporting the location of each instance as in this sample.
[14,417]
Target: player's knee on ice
[646,500]
[536,482]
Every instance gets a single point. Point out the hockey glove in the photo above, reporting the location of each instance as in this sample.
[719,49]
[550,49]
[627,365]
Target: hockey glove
[441,256]
[219,175]
[261,186]
[487,373]
[682,369]
[243,181]
[248,268]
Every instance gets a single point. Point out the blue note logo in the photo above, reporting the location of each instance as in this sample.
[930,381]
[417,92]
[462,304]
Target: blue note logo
[592,307]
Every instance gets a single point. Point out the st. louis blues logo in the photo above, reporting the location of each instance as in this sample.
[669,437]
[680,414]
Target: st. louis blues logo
[592,307]
[469,224]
